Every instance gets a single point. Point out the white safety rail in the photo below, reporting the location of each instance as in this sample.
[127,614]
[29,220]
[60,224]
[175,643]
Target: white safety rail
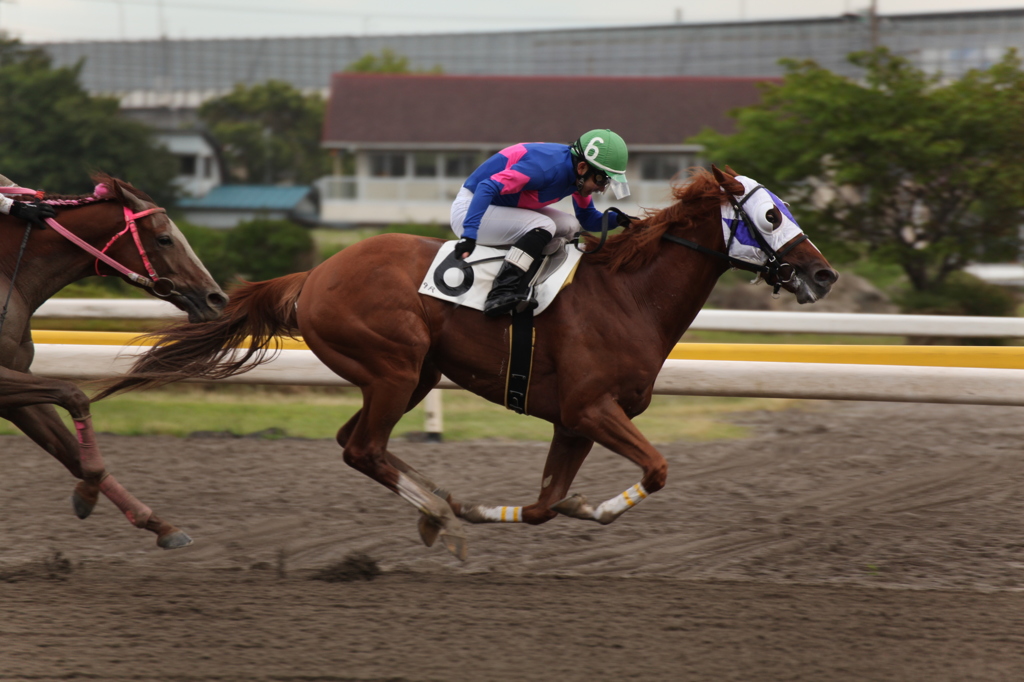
[707,320]
[891,383]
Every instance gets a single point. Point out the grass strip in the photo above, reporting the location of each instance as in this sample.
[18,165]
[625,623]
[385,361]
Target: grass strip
[183,410]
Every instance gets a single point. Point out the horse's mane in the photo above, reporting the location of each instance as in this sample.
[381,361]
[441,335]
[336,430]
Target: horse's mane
[108,188]
[635,248]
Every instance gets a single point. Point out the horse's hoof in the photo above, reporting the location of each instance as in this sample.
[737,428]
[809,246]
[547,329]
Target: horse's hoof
[176,539]
[429,529]
[576,506]
[456,544]
[82,501]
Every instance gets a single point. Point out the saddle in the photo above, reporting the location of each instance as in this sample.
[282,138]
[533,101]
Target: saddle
[467,282]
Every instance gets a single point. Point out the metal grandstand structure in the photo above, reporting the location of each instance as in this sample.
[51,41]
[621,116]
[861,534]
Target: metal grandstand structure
[183,73]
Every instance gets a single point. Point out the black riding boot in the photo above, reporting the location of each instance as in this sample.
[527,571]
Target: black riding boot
[512,285]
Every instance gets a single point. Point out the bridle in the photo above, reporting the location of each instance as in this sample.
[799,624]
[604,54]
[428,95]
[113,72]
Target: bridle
[773,265]
[155,281]
[161,286]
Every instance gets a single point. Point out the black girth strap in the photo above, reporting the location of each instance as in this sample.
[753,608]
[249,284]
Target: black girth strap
[520,361]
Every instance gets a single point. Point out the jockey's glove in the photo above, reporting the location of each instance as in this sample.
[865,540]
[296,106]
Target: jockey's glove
[33,212]
[464,247]
[622,219]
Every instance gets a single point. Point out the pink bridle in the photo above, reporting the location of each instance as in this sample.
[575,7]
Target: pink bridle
[162,287]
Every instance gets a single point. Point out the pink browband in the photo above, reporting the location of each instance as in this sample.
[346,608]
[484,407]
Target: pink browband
[129,219]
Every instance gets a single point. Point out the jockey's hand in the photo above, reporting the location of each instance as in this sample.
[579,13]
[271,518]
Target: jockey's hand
[623,219]
[33,212]
[464,247]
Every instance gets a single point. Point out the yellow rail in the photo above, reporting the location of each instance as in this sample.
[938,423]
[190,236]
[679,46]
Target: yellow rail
[119,339]
[993,357]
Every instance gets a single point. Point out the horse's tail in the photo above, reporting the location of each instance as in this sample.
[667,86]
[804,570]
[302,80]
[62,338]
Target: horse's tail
[256,315]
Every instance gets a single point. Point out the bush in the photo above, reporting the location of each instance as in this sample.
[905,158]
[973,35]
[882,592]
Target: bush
[961,294]
[209,247]
[256,250]
[264,249]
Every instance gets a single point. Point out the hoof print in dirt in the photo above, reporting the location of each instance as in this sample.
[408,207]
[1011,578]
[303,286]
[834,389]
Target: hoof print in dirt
[353,567]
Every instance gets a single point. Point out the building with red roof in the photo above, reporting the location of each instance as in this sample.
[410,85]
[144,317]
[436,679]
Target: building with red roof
[404,143]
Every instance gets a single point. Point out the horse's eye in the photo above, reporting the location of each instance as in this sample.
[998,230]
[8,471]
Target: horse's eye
[164,240]
[774,217]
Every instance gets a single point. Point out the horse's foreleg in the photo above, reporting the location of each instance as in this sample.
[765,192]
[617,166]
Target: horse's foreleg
[96,477]
[607,424]
[565,457]
[41,423]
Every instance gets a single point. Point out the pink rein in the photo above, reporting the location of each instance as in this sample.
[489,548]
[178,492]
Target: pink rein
[101,255]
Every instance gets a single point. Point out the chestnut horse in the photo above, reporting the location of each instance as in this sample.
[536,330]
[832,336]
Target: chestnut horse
[599,346]
[132,235]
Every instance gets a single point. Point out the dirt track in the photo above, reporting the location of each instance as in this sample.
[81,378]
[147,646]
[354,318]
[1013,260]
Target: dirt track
[844,542]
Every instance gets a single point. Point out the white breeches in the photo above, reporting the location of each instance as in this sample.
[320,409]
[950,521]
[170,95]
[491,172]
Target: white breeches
[504,225]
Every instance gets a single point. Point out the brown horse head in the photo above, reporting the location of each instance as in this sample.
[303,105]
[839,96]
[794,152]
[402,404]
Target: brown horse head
[182,278]
[804,271]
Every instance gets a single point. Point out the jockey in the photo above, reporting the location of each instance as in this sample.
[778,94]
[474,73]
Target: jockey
[34,212]
[506,201]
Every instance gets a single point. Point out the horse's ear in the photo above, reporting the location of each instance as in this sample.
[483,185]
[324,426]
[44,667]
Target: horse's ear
[728,182]
[133,202]
[730,171]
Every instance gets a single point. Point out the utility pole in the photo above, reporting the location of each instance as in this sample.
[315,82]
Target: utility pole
[1,23]
[873,23]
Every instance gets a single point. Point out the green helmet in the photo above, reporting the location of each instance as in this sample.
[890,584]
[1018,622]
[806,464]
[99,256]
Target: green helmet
[606,151]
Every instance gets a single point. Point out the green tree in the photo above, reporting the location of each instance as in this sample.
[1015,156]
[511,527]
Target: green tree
[270,133]
[911,168]
[55,134]
[386,62]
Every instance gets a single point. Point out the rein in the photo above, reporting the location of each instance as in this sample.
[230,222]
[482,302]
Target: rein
[161,286]
[14,275]
[604,236]
[773,259]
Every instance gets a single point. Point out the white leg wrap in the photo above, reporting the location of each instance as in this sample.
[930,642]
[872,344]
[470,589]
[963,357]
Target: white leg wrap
[519,258]
[502,514]
[477,513]
[411,492]
[609,510]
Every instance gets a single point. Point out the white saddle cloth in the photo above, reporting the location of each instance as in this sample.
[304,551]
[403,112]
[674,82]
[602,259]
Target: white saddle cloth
[468,282]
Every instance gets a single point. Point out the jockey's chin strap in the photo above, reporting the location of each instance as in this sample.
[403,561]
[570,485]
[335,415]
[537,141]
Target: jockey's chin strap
[773,265]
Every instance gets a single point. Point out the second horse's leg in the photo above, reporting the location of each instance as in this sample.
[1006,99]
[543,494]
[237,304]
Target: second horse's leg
[42,424]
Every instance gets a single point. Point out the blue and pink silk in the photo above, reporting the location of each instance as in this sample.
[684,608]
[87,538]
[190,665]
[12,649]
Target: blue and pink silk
[530,176]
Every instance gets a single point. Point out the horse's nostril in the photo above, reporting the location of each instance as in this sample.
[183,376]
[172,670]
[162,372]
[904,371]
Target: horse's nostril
[826,276]
[216,301]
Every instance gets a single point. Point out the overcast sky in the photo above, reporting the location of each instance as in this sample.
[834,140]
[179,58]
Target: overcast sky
[60,20]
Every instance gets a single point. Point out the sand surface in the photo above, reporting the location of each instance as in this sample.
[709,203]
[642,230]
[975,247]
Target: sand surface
[843,541]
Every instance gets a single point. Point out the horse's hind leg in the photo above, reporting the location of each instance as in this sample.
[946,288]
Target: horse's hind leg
[83,459]
[429,528]
[565,457]
[384,403]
